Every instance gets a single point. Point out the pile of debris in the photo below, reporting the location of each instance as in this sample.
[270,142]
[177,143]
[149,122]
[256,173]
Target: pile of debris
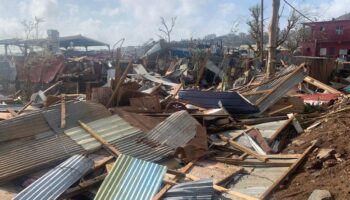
[177,128]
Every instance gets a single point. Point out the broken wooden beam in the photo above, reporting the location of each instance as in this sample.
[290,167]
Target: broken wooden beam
[119,84]
[321,85]
[105,144]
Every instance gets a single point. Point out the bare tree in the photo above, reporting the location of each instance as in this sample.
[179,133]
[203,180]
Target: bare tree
[292,22]
[166,29]
[254,26]
[28,26]
[273,36]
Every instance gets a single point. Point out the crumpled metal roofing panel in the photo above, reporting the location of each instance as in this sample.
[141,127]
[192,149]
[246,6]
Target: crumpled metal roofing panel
[287,84]
[126,138]
[140,146]
[131,179]
[199,190]
[176,130]
[33,155]
[110,128]
[56,181]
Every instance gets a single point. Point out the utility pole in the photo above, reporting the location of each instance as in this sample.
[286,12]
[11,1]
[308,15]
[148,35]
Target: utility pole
[262,34]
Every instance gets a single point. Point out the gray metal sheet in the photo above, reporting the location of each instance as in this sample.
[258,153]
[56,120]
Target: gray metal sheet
[282,89]
[257,181]
[201,190]
[33,155]
[85,111]
[176,130]
[56,181]
[111,128]
[131,179]
[126,138]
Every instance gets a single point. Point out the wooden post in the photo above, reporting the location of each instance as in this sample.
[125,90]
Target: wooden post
[105,144]
[248,151]
[120,82]
[63,111]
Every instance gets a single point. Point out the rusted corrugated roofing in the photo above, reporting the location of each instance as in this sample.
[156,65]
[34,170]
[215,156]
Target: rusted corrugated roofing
[131,179]
[23,126]
[56,181]
[32,155]
[49,119]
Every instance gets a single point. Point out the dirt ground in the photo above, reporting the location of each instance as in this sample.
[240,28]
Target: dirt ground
[333,173]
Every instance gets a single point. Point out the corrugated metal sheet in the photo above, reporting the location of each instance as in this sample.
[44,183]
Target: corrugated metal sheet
[111,128]
[131,179]
[33,155]
[85,111]
[199,190]
[49,119]
[143,72]
[257,180]
[57,180]
[23,126]
[127,139]
[288,83]
[176,130]
[268,129]
[232,101]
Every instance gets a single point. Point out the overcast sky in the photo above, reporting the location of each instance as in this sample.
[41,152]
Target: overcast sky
[138,20]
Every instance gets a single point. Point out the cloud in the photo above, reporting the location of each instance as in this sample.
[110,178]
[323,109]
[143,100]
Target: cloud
[110,11]
[138,20]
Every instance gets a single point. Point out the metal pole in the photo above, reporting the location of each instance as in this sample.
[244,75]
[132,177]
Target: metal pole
[262,33]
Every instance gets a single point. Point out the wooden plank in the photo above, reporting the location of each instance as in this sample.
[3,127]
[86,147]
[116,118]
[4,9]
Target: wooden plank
[63,111]
[268,163]
[104,143]
[12,112]
[280,129]
[290,170]
[119,84]
[321,85]
[280,110]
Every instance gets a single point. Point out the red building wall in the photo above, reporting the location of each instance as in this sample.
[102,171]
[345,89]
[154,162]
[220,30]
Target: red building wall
[324,35]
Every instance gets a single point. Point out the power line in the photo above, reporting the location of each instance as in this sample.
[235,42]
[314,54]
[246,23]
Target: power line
[297,11]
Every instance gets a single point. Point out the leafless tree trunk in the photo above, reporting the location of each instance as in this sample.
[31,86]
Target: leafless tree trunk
[166,29]
[273,29]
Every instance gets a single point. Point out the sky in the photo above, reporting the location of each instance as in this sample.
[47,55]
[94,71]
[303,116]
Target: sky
[138,20]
